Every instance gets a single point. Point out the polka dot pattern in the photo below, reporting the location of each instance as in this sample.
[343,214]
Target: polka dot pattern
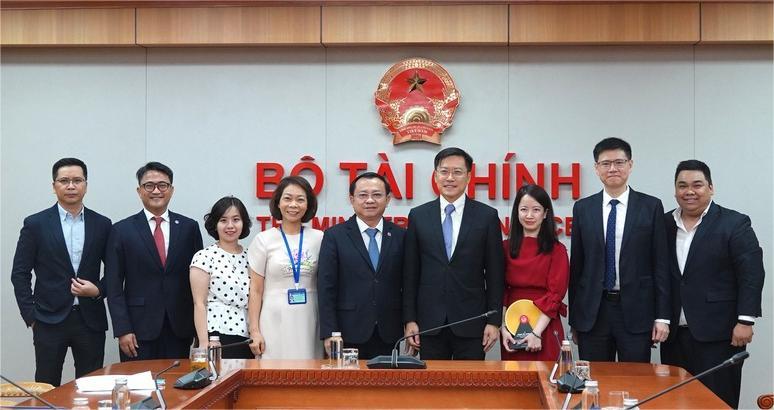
[228,289]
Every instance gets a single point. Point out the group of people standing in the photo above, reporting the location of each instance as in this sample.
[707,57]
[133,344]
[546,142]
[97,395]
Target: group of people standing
[690,279]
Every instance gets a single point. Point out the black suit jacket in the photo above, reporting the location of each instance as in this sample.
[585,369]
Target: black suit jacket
[140,291]
[437,290]
[722,277]
[643,268]
[42,248]
[352,295]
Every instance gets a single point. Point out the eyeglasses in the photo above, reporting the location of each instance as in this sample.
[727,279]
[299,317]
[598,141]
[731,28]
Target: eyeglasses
[376,196]
[618,164]
[151,186]
[68,181]
[455,173]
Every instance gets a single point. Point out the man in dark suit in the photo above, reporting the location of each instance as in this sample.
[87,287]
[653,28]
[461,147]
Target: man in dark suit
[64,245]
[453,267]
[146,272]
[360,277]
[619,279]
[717,281]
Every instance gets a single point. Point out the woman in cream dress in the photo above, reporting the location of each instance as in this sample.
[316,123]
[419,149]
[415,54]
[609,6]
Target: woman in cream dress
[279,329]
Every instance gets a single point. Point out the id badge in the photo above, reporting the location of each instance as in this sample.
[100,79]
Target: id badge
[296,296]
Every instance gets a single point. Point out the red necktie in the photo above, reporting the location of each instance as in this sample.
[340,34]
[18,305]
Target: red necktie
[158,237]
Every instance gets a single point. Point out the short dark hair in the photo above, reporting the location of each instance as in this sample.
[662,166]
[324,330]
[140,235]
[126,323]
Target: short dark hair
[369,175]
[69,162]
[610,144]
[547,235]
[154,166]
[220,208]
[451,152]
[694,165]
[301,182]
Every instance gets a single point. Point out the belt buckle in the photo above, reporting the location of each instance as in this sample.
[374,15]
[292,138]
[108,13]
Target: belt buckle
[613,295]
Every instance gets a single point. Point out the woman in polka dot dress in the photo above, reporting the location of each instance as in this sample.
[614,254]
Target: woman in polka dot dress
[220,281]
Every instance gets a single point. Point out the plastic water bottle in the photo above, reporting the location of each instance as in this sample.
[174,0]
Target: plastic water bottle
[591,395]
[121,394]
[214,355]
[337,344]
[566,361]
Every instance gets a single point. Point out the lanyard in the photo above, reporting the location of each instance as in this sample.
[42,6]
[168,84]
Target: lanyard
[296,267]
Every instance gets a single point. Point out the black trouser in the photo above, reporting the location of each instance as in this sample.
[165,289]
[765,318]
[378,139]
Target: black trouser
[166,346]
[609,337]
[51,343]
[236,352]
[372,347]
[694,356]
[446,346]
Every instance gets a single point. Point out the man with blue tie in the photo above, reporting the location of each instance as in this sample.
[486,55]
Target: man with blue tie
[453,267]
[64,245]
[146,273]
[359,278]
[619,278]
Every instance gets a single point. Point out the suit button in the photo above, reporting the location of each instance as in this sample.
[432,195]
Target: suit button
[376,280]
[374,303]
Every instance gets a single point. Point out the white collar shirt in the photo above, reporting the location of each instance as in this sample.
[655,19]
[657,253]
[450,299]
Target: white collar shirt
[362,226]
[456,216]
[620,220]
[164,226]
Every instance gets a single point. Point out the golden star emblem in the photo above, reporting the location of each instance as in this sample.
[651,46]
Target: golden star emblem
[415,82]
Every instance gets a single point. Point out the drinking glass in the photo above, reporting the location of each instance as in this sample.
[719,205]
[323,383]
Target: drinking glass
[198,358]
[616,398]
[349,358]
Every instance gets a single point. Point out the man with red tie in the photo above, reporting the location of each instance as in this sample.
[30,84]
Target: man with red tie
[146,273]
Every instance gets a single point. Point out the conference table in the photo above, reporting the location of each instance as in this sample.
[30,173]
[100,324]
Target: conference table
[444,384]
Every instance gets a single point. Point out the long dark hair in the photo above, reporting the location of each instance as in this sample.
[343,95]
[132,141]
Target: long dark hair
[547,235]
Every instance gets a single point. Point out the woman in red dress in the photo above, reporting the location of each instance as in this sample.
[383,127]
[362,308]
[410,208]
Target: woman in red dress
[536,268]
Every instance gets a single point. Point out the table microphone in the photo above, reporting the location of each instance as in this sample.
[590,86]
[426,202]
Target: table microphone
[31,394]
[149,402]
[733,360]
[568,382]
[396,361]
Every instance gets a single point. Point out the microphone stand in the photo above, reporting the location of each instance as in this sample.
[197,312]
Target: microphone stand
[396,361]
[149,402]
[735,359]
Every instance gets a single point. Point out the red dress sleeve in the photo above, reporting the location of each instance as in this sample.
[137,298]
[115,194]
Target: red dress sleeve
[557,279]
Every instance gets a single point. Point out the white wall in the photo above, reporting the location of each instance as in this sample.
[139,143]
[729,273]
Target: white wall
[212,113]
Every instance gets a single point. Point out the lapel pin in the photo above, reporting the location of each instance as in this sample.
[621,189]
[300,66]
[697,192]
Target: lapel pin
[176,222]
[389,233]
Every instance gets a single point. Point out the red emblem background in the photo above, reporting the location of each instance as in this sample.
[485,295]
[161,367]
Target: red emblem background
[416,99]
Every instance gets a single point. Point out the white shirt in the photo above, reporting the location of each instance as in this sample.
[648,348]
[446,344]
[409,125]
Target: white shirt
[164,226]
[620,220]
[456,216]
[683,241]
[74,232]
[367,239]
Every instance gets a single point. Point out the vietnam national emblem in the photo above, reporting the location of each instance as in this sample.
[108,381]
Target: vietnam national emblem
[417,99]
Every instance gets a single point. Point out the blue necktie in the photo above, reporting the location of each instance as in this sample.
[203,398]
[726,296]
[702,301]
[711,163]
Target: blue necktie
[373,248]
[448,229]
[610,246]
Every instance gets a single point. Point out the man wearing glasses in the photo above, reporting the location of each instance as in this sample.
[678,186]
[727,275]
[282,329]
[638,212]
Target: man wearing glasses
[619,277]
[360,277]
[146,272]
[64,245]
[453,267]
